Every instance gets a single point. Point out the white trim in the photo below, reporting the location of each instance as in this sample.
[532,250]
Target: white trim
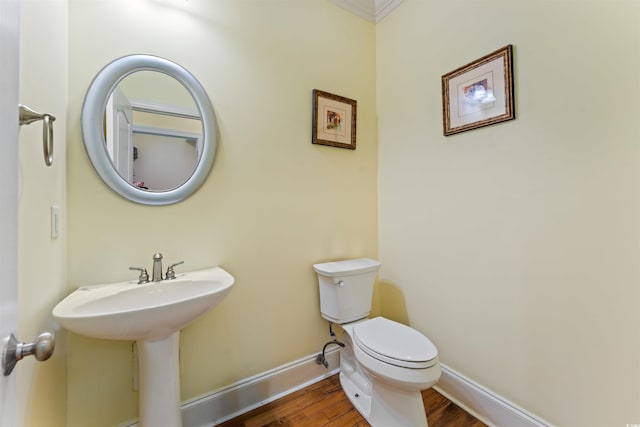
[371,10]
[258,390]
[362,8]
[385,7]
[239,398]
[229,402]
[10,160]
[174,133]
[482,403]
[145,106]
[160,131]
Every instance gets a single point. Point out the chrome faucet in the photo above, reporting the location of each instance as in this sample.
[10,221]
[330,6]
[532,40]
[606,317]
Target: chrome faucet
[157,268]
[156,271]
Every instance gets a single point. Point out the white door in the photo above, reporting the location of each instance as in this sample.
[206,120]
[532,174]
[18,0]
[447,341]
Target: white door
[9,66]
[119,125]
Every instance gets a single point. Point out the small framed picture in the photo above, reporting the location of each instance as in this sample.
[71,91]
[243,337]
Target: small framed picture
[334,120]
[479,93]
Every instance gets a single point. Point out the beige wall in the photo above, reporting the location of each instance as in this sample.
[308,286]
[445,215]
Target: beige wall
[273,205]
[515,247]
[42,260]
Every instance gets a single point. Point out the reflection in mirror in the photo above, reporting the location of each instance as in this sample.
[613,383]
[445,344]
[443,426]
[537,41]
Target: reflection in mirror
[149,129]
[153,131]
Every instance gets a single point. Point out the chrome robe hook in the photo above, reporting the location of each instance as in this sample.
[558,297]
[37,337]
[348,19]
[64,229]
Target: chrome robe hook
[28,116]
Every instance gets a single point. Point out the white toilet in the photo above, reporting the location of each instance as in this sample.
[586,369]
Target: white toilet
[384,364]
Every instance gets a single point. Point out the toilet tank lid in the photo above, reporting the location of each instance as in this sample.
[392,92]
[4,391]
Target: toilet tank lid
[347,267]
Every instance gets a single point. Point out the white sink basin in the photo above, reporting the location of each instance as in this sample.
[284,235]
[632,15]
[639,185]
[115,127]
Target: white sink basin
[150,312]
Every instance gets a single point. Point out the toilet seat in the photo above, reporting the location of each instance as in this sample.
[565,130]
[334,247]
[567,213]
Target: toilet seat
[395,343]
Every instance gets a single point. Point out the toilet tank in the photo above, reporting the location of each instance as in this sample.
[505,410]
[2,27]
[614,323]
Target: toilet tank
[346,288]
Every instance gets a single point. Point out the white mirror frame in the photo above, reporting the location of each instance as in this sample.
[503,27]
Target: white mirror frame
[93,112]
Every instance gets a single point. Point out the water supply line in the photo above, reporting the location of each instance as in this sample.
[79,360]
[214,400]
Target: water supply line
[320,359]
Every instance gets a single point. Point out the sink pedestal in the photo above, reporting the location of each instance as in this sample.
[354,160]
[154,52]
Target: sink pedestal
[159,382]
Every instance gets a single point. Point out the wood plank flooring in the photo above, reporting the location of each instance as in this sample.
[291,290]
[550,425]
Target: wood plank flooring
[323,404]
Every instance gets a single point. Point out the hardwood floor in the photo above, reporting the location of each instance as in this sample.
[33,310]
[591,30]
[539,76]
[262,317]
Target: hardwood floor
[324,404]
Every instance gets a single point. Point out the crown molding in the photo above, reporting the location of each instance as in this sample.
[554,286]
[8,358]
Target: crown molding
[385,7]
[371,10]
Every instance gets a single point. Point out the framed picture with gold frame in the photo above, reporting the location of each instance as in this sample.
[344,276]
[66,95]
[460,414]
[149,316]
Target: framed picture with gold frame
[334,120]
[480,93]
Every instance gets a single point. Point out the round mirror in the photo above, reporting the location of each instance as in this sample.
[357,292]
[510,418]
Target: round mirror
[149,129]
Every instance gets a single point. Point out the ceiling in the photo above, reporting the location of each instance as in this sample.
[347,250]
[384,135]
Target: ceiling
[371,10]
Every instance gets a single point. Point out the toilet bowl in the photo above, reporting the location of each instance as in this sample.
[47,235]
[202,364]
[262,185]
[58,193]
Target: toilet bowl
[384,365]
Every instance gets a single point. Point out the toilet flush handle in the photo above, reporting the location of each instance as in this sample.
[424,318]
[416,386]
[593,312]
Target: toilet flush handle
[340,283]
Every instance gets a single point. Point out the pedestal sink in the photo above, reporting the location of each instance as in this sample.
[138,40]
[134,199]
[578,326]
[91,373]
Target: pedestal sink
[151,314]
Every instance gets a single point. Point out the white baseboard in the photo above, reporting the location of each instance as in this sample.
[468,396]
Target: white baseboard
[251,393]
[229,402]
[483,404]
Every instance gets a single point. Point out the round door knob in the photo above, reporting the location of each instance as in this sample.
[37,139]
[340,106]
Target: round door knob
[14,351]
[43,347]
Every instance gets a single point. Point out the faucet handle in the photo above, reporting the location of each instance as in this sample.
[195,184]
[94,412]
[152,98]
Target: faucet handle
[170,273]
[144,276]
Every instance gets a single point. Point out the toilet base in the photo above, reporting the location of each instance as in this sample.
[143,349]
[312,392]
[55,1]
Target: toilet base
[386,406]
[381,403]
